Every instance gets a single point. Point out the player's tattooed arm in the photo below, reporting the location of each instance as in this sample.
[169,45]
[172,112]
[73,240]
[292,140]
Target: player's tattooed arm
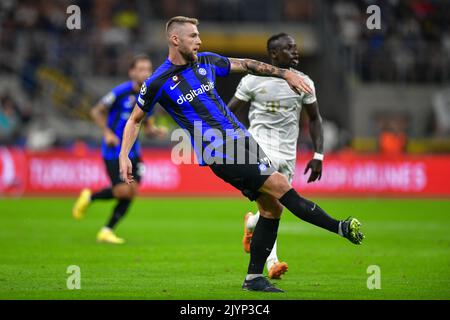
[130,134]
[256,67]
[316,133]
[296,82]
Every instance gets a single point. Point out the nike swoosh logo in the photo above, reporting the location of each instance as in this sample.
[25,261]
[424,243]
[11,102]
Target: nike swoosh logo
[313,207]
[174,86]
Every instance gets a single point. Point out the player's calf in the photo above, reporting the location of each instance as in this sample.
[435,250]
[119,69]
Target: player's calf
[308,210]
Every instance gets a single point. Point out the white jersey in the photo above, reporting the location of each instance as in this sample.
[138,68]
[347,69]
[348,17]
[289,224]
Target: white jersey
[274,113]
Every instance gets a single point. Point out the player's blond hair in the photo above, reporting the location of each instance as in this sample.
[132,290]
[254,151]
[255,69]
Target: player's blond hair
[179,20]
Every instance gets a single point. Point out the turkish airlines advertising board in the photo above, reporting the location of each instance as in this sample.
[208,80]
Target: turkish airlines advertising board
[61,172]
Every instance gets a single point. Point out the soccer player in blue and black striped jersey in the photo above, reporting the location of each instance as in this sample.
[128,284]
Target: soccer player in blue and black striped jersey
[184,85]
[110,114]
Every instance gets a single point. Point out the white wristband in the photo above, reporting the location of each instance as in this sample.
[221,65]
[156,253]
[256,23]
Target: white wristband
[318,156]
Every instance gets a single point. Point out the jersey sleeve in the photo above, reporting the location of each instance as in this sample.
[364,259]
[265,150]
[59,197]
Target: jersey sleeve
[221,64]
[147,96]
[109,99]
[243,91]
[309,98]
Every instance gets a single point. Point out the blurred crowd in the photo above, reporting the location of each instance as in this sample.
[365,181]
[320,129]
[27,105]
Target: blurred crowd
[413,44]
[12,118]
[34,31]
[39,49]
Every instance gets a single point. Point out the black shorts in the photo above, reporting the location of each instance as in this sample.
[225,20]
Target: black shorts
[247,173]
[112,167]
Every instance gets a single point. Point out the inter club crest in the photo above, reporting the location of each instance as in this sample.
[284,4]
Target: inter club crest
[143,89]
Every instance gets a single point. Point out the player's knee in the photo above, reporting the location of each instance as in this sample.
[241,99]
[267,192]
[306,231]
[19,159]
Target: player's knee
[124,192]
[278,184]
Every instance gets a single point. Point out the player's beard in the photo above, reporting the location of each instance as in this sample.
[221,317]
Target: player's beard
[190,56]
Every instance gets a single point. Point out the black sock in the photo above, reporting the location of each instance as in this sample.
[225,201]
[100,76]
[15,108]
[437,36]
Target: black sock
[264,237]
[104,194]
[308,211]
[118,213]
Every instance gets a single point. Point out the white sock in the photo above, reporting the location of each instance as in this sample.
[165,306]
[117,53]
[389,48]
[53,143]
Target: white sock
[253,276]
[106,229]
[252,221]
[272,258]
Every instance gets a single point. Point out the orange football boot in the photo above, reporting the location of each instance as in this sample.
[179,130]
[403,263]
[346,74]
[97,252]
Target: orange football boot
[277,270]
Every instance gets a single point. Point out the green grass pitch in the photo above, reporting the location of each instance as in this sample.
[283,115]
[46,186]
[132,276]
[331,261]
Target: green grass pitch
[190,248]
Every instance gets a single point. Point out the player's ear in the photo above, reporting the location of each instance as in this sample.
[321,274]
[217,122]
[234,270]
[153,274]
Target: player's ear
[174,39]
[273,53]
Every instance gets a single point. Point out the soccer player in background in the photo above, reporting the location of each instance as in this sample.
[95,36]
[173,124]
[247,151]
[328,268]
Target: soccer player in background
[111,114]
[273,111]
[184,85]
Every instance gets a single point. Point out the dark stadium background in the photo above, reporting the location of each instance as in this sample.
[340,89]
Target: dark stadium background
[384,95]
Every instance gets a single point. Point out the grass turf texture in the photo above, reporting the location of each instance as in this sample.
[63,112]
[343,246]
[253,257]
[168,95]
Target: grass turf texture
[185,248]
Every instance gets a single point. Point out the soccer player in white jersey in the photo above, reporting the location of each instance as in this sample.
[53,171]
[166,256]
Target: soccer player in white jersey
[274,114]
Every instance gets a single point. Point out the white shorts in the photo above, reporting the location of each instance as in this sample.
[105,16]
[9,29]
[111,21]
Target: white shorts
[283,166]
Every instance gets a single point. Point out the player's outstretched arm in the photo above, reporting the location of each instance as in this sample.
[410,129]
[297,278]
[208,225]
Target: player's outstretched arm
[295,81]
[130,134]
[316,133]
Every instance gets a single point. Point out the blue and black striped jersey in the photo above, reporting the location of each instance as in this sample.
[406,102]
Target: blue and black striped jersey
[120,102]
[188,94]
